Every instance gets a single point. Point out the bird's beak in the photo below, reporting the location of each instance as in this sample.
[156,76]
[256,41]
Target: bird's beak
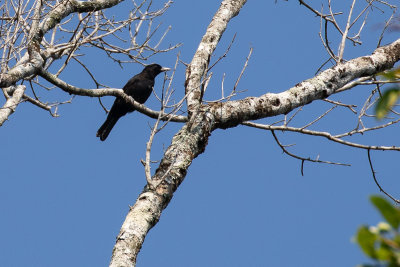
[165,69]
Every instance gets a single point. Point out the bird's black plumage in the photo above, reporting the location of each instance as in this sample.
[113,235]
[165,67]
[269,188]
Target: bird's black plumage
[139,87]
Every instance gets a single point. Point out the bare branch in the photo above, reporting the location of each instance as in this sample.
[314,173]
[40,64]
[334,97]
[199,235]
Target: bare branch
[302,158]
[12,102]
[326,83]
[110,92]
[376,181]
[200,61]
[351,107]
[243,69]
[148,152]
[320,117]
[224,55]
[345,33]
[317,133]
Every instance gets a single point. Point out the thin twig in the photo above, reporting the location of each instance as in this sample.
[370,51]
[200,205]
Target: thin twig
[321,134]
[376,181]
[302,158]
[346,31]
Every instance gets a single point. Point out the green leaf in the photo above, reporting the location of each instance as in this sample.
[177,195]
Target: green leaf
[384,253]
[366,240]
[386,102]
[391,75]
[388,212]
[396,239]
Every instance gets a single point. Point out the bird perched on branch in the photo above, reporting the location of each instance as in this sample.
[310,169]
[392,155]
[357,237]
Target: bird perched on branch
[139,87]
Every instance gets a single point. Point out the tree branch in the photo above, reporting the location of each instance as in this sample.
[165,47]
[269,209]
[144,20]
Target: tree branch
[67,7]
[187,144]
[303,159]
[11,103]
[28,67]
[198,67]
[318,133]
[110,92]
[376,181]
[192,138]
[328,82]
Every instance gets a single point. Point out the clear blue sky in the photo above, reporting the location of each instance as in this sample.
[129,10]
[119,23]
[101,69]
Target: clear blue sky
[64,194]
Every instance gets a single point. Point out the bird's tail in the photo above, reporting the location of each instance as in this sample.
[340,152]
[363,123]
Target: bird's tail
[107,126]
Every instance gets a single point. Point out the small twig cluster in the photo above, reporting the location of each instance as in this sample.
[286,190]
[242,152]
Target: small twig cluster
[352,29]
[364,116]
[123,40]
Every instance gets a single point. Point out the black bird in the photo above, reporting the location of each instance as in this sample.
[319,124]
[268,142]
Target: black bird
[139,87]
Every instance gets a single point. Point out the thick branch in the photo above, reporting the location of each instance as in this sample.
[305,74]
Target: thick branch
[197,68]
[187,144]
[192,139]
[328,82]
[11,103]
[25,68]
[67,7]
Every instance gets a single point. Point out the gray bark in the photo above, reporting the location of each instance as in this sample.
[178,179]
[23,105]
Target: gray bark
[197,68]
[326,83]
[16,93]
[192,139]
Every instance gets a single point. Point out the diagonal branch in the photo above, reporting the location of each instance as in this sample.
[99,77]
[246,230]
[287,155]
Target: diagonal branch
[186,145]
[328,82]
[110,92]
[24,67]
[67,7]
[376,181]
[11,103]
[346,32]
[198,67]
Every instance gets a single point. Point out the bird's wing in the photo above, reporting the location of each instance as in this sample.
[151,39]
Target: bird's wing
[139,88]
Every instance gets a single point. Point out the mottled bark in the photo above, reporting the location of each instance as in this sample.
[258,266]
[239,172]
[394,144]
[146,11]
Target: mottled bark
[197,68]
[187,144]
[192,139]
[30,64]
[326,83]
[26,68]
[67,7]
[16,93]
